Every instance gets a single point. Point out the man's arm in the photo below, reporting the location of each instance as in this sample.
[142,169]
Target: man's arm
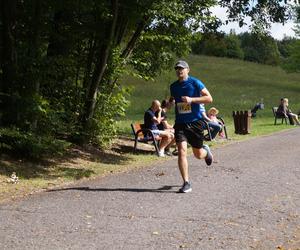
[157,119]
[204,115]
[204,98]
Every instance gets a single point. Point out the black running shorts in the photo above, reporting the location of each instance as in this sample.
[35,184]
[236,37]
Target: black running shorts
[190,132]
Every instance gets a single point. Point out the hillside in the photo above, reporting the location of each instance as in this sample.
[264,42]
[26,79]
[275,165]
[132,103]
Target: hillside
[234,85]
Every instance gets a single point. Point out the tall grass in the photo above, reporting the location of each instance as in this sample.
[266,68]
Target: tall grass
[234,85]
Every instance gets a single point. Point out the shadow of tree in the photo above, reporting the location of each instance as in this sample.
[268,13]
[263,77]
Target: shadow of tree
[97,155]
[67,165]
[129,149]
[25,170]
[75,173]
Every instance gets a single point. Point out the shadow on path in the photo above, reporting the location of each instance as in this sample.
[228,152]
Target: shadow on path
[163,189]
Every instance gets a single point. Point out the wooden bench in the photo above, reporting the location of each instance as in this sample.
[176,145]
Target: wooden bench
[278,116]
[143,135]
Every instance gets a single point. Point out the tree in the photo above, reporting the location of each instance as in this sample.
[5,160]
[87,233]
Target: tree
[260,48]
[8,60]
[292,62]
[283,46]
[233,46]
[146,42]
[213,44]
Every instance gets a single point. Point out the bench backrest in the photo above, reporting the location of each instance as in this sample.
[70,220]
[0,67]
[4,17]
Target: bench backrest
[136,127]
[143,135]
[274,109]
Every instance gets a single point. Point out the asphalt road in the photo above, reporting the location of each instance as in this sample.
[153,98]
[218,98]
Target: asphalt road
[249,199]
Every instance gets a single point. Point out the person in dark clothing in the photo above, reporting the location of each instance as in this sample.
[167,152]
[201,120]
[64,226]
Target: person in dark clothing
[151,121]
[166,105]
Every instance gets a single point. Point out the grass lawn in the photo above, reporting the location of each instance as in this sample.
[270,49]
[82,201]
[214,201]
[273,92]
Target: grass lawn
[234,85]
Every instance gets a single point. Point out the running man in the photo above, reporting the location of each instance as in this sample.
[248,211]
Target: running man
[189,92]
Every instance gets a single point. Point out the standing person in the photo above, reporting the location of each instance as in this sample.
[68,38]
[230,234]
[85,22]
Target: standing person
[151,122]
[189,92]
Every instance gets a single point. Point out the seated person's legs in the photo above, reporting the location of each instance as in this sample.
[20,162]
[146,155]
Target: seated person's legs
[166,136]
[215,128]
[295,118]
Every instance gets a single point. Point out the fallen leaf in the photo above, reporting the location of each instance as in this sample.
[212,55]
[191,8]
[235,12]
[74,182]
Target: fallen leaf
[160,174]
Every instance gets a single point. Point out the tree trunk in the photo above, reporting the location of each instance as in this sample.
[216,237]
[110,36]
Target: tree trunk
[99,70]
[8,60]
[89,63]
[130,46]
[33,50]
[59,42]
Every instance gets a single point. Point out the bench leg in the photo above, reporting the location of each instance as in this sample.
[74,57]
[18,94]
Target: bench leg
[156,145]
[135,144]
[225,131]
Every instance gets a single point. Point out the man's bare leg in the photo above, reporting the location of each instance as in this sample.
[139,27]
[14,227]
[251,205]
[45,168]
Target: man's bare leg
[199,153]
[183,167]
[204,153]
[182,160]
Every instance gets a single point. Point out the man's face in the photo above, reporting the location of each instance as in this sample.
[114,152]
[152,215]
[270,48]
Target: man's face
[182,73]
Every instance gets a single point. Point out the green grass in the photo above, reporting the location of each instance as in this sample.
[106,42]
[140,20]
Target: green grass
[234,85]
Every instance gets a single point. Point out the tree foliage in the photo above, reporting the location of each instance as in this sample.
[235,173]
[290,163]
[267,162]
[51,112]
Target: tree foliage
[233,46]
[292,61]
[254,47]
[260,48]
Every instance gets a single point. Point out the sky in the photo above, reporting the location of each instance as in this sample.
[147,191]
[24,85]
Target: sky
[278,31]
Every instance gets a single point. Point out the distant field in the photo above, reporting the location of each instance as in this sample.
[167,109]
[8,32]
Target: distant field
[234,85]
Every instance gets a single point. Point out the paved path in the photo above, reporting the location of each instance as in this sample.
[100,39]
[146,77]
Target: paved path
[250,199]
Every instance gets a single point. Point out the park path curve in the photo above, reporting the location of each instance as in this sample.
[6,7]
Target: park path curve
[249,199]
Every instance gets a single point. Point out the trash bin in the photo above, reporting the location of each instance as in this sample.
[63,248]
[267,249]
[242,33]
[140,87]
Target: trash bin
[242,122]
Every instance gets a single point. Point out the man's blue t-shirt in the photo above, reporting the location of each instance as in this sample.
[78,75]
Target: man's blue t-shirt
[148,122]
[186,112]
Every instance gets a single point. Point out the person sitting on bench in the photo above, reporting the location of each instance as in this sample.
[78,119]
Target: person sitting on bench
[166,105]
[285,111]
[214,127]
[151,122]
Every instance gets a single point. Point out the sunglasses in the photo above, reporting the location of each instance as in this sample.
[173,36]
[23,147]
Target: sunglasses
[178,68]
